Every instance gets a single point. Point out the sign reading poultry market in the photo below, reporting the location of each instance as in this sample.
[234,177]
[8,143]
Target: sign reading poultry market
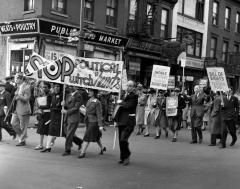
[106,39]
[19,27]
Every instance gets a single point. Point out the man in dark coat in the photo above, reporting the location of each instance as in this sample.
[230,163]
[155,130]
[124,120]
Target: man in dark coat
[230,115]
[126,121]
[71,109]
[197,113]
[5,101]
[9,86]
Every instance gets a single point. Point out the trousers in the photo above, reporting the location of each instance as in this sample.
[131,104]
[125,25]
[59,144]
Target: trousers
[7,127]
[20,124]
[229,126]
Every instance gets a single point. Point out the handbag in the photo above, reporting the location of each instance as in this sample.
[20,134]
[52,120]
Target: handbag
[82,110]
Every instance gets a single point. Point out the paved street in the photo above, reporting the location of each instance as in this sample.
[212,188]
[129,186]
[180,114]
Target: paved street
[155,164]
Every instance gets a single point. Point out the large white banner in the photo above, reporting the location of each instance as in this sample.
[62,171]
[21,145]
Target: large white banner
[217,79]
[160,75]
[77,71]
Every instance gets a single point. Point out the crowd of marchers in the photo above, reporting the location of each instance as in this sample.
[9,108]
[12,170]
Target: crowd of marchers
[60,108]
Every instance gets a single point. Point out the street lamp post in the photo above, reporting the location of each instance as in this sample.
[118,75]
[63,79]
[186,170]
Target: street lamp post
[80,42]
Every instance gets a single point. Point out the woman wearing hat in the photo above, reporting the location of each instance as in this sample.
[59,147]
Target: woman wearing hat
[140,111]
[93,122]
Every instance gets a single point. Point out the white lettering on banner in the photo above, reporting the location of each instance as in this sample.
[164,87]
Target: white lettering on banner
[160,75]
[217,79]
[83,72]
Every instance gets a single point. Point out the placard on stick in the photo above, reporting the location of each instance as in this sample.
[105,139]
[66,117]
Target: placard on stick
[160,75]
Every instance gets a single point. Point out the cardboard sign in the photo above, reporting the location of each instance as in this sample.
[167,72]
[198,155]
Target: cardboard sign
[171,106]
[124,80]
[171,82]
[160,75]
[217,79]
[81,72]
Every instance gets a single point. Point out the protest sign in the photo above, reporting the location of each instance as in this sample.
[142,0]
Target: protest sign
[217,79]
[171,82]
[82,72]
[124,80]
[171,106]
[160,75]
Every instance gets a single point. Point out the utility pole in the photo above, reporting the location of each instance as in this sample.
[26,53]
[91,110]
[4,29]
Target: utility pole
[80,42]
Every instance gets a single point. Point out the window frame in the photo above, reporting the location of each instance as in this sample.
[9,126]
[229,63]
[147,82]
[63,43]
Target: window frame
[165,33]
[55,6]
[237,22]
[213,49]
[225,53]
[227,20]
[92,3]
[215,15]
[109,21]
[26,5]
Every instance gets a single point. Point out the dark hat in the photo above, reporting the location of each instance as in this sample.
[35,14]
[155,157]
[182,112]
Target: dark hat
[19,76]
[151,91]
[9,77]
[2,84]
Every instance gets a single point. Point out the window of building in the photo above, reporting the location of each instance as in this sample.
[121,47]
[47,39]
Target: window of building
[237,27]
[111,13]
[59,6]
[89,10]
[192,39]
[132,9]
[213,47]
[236,48]
[224,51]
[192,8]
[227,18]
[150,26]
[215,13]
[164,24]
[28,5]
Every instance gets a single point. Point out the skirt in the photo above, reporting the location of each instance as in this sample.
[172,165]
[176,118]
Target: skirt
[92,133]
[55,124]
[43,128]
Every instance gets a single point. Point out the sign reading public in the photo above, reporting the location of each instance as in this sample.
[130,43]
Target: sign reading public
[19,27]
[77,71]
[217,79]
[171,106]
[160,75]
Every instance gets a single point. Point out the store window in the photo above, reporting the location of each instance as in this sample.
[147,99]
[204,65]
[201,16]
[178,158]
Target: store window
[164,24]
[213,47]
[59,6]
[192,39]
[89,10]
[225,51]
[237,26]
[192,8]
[28,5]
[19,60]
[111,13]
[132,9]
[227,18]
[215,13]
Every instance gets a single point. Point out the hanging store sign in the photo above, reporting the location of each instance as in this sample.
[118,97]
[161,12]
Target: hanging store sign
[106,39]
[19,27]
[56,29]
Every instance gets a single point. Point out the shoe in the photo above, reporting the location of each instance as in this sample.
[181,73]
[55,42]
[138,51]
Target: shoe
[156,137]
[46,150]
[103,150]
[174,140]
[21,143]
[80,146]
[14,136]
[200,141]
[166,134]
[66,153]
[38,148]
[126,162]
[233,142]
[146,135]
[52,144]
[82,155]
[120,161]
[212,145]
[221,147]
[193,142]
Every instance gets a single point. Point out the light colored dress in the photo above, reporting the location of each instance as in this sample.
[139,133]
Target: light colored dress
[140,111]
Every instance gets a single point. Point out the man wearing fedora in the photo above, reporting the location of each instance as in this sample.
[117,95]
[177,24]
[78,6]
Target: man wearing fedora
[21,109]
[5,101]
